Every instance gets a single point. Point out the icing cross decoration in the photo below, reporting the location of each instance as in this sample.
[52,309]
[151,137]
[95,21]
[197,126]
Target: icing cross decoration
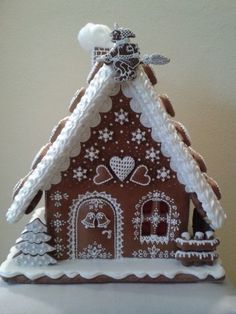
[124,56]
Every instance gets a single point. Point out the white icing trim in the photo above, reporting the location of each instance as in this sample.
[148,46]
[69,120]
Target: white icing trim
[197,242]
[171,218]
[198,255]
[145,100]
[76,130]
[110,176]
[132,179]
[116,269]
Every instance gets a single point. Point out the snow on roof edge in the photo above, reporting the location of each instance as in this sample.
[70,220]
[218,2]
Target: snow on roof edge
[59,152]
[187,169]
[185,165]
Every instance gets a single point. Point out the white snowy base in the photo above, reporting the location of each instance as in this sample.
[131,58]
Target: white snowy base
[115,269]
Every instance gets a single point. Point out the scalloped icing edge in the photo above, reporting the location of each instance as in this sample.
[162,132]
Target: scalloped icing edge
[46,173]
[153,115]
[116,269]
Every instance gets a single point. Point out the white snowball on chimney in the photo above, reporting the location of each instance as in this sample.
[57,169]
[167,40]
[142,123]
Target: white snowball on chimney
[95,35]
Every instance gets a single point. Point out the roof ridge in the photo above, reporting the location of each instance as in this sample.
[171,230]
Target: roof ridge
[143,99]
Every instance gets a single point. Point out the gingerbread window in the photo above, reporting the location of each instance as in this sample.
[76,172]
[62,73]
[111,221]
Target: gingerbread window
[155,217]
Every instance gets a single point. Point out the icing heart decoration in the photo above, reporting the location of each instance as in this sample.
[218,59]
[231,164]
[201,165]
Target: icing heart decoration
[102,175]
[140,176]
[122,167]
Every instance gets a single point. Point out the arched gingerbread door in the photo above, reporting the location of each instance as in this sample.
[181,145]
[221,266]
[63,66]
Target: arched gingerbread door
[96,228]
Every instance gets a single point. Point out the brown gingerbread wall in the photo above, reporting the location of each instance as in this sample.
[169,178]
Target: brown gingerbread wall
[86,227]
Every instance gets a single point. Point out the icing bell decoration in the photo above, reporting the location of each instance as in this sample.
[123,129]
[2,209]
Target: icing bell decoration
[124,57]
[95,219]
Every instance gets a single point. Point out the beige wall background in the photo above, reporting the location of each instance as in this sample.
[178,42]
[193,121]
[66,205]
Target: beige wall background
[42,65]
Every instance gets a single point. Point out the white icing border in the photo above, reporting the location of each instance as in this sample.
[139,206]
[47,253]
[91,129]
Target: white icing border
[132,179]
[73,214]
[200,255]
[98,174]
[197,242]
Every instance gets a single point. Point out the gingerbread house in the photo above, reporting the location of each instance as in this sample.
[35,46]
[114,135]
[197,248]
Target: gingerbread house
[118,175]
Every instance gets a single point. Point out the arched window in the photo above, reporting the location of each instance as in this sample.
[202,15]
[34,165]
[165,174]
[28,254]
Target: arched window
[156,219]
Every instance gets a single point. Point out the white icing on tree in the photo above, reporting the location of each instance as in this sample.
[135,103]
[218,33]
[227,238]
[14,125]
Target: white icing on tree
[31,237]
[32,246]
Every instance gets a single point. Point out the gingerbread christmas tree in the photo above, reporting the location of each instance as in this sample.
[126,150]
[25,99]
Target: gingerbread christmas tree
[33,247]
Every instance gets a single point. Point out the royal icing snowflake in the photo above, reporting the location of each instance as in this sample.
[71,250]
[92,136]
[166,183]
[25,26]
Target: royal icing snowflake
[138,136]
[105,135]
[80,174]
[57,223]
[58,197]
[91,153]
[59,247]
[163,174]
[153,154]
[121,117]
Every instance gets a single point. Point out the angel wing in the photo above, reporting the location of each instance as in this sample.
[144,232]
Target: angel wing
[155,59]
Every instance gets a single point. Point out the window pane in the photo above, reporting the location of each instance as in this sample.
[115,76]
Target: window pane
[147,208]
[163,207]
[146,228]
[162,229]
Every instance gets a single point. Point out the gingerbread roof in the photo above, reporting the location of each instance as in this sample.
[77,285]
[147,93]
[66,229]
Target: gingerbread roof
[156,113]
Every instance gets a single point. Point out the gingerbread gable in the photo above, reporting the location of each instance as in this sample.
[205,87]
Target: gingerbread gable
[86,115]
[120,158]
